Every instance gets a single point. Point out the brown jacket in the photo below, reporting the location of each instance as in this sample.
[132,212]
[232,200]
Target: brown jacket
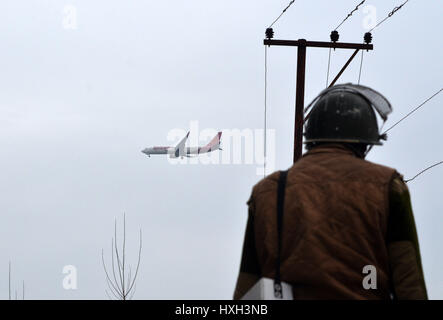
[335,224]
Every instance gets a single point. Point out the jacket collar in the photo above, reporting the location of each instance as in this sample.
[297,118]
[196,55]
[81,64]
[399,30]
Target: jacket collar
[330,148]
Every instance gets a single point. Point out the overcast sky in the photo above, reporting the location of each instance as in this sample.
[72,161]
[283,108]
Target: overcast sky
[85,85]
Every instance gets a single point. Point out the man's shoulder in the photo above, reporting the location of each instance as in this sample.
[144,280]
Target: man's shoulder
[396,179]
[267,184]
[399,186]
[377,167]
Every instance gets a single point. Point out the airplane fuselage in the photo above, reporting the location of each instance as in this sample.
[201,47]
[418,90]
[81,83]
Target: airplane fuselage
[181,151]
[173,151]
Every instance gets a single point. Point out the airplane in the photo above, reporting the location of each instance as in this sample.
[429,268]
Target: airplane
[181,151]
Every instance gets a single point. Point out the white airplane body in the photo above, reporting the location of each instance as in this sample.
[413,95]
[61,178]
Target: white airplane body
[181,151]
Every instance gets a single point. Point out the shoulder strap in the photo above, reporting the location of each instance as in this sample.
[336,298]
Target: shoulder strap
[278,293]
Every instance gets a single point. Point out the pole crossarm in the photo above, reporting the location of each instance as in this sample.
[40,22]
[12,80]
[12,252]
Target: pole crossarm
[318,44]
[344,68]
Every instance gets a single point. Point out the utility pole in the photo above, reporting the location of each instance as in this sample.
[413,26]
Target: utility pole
[302,44]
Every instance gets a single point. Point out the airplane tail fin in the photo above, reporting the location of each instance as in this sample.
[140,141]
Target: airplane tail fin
[214,144]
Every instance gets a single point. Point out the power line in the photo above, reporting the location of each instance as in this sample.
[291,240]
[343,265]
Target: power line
[290,4]
[422,104]
[335,37]
[423,171]
[329,65]
[390,15]
[361,67]
[350,14]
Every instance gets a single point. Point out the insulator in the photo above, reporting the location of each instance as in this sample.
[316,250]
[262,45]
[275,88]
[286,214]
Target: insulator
[368,37]
[269,33]
[334,36]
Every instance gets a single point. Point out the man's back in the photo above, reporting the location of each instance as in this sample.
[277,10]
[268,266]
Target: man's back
[335,226]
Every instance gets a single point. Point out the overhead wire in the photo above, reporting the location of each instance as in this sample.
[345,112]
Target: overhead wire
[390,14]
[329,65]
[361,67]
[335,37]
[269,34]
[424,170]
[284,10]
[407,115]
[415,109]
[350,14]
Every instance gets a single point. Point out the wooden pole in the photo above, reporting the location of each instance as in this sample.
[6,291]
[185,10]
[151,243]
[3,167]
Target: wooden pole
[299,99]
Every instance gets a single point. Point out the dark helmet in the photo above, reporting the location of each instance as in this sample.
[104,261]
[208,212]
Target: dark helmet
[342,114]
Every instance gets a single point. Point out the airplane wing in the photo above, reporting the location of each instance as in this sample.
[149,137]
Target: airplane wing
[180,147]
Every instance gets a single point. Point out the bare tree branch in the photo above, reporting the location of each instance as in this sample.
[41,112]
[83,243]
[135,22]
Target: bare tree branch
[107,275]
[123,286]
[112,259]
[128,282]
[138,262]
[124,255]
[9,277]
[133,292]
[117,295]
[119,264]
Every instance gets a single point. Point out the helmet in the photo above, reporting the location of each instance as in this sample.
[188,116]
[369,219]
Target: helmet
[345,113]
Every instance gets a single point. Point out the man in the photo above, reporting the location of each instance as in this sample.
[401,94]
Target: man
[345,218]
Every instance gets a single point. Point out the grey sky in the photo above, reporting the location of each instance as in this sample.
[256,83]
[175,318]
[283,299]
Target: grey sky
[77,106]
